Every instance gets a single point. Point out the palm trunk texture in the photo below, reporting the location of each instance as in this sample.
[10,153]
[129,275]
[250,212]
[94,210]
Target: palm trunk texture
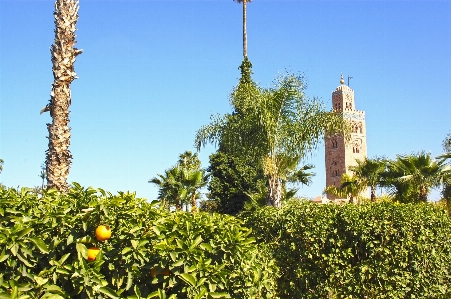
[244,30]
[373,193]
[274,195]
[58,156]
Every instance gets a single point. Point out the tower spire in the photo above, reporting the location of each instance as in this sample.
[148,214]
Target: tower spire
[342,80]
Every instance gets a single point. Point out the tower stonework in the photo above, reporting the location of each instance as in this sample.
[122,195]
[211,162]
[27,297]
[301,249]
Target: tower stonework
[341,153]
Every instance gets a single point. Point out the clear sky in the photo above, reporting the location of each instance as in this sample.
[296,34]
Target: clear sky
[152,72]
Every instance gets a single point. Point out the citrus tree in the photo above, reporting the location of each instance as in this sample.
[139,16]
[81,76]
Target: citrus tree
[89,243]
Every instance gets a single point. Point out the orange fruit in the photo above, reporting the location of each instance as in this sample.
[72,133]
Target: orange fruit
[103,232]
[92,253]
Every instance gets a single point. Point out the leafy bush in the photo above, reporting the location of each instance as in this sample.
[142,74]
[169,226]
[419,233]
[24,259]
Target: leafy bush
[44,241]
[380,250]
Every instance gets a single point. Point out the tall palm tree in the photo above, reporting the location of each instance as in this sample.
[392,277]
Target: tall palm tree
[277,122]
[58,156]
[244,26]
[369,172]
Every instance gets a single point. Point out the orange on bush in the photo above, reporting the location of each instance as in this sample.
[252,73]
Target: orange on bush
[92,253]
[103,232]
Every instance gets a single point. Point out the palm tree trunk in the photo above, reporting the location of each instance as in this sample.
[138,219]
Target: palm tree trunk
[274,195]
[177,204]
[373,193]
[244,30]
[423,194]
[58,156]
[193,203]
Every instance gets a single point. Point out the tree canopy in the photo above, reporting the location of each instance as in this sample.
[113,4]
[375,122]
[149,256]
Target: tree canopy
[271,125]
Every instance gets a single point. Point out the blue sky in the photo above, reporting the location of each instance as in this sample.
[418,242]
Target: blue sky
[152,72]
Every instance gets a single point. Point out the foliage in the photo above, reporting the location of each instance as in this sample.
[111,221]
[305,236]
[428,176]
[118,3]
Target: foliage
[271,125]
[1,165]
[181,183]
[378,250]
[232,180]
[152,253]
[446,179]
[446,144]
[351,188]
[410,177]
[368,172]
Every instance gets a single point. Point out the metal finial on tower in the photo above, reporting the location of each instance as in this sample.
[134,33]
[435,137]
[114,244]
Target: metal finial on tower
[342,81]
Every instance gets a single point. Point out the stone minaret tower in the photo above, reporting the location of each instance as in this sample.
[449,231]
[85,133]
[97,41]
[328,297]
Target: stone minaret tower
[340,153]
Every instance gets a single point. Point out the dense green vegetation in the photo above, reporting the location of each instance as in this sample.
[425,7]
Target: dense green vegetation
[302,250]
[378,250]
[44,242]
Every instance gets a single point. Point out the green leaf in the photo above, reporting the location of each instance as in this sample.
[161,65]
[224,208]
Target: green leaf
[126,250]
[195,243]
[40,244]
[40,281]
[188,278]
[206,246]
[129,280]
[14,292]
[24,232]
[219,295]
[173,255]
[134,243]
[82,250]
[109,292]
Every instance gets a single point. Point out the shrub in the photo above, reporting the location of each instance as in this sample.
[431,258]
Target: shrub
[380,250]
[44,241]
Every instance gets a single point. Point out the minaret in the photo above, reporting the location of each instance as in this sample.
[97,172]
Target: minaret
[341,153]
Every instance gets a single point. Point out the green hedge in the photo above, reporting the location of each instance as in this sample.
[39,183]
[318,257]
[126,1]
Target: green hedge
[44,242]
[350,251]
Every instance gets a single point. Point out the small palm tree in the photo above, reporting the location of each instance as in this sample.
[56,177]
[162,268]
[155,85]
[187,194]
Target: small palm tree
[180,184]
[369,172]
[415,174]
[58,156]
[244,25]
[192,181]
[171,191]
[350,188]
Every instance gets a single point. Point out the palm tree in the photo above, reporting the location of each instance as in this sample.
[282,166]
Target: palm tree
[1,165]
[171,191]
[275,123]
[192,181]
[369,172]
[244,26]
[350,188]
[181,183]
[415,174]
[444,158]
[58,156]
[42,175]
